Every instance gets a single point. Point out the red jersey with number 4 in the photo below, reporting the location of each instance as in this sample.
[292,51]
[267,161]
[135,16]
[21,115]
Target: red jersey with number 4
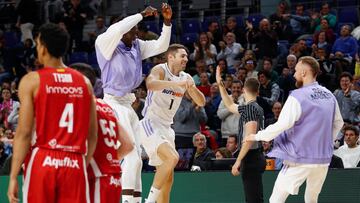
[105,160]
[62,107]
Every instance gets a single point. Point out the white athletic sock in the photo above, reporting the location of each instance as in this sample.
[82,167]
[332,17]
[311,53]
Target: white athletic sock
[153,195]
[127,199]
[137,200]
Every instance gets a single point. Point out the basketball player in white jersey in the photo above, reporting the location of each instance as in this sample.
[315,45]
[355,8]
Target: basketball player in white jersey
[166,85]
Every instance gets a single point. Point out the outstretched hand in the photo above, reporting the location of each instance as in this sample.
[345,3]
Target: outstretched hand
[149,11]
[166,11]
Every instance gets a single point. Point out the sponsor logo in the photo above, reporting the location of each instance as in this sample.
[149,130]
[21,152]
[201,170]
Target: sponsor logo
[109,157]
[67,148]
[64,90]
[170,92]
[52,143]
[57,163]
[318,93]
[104,109]
[115,181]
[63,77]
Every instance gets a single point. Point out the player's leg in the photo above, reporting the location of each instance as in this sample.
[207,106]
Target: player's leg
[288,182]
[314,183]
[39,181]
[166,189]
[132,161]
[72,180]
[110,189]
[135,125]
[169,158]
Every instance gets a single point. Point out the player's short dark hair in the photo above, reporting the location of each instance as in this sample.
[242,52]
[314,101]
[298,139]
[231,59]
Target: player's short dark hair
[312,62]
[235,137]
[55,39]
[86,70]
[173,49]
[352,128]
[346,75]
[236,81]
[267,59]
[267,74]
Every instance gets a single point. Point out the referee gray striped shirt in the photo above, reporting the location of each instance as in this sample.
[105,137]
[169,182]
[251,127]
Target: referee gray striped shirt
[250,112]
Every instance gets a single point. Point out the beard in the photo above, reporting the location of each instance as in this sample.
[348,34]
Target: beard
[299,84]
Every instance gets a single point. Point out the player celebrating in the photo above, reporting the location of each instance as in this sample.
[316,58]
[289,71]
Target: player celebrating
[60,100]
[166,85]
[113,144]
[119,54]
[302,139]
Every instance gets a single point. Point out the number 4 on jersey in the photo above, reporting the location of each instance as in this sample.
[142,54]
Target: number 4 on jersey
[67,118]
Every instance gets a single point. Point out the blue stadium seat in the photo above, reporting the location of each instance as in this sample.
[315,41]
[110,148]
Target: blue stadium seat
[173,38]
[173,26]
[189,38]
[347,3]
[152,26]
[146,67]
[79,57]
[191,26]
[349,15]
[255,19]
[240,21]
[92,60]
[206,21]
[11,39]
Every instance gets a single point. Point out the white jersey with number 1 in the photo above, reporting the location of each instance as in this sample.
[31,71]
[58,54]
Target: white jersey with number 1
[162,105]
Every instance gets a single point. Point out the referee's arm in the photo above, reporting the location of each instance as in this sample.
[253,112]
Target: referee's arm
[228,102]
[250,128]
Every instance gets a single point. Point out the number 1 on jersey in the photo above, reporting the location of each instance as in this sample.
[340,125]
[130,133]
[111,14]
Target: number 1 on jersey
[67,118]
[171,103]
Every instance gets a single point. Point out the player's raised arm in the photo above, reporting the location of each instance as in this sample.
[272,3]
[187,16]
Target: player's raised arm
[154,47]
[109,40]
[229,103]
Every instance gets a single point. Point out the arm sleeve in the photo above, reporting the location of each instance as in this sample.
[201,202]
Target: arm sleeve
[183,113]
[290,113]
[338,121]
[151,48]
[213,49]
[202,115]
[109,40]
[220,55]
[14,114]
[301,18]
[275,93]
[222,111]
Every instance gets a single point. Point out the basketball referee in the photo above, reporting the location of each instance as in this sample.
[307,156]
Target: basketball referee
[250,161]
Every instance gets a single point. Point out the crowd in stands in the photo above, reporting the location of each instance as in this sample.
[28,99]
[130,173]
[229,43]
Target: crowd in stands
[267,50]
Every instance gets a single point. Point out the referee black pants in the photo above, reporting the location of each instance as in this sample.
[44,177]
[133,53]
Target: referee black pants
[253,166]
